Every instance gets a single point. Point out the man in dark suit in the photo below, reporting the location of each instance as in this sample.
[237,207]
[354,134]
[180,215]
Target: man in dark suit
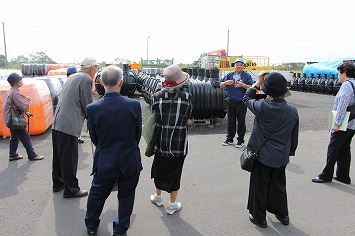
[115,127]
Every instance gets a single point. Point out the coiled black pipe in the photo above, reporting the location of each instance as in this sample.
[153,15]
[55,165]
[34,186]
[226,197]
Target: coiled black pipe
[208,100]
[129,85]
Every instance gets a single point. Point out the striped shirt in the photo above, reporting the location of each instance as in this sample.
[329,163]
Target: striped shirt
[344,98]
[173,111]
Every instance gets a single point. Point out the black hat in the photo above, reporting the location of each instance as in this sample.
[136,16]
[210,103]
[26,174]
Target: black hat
[14,78]
[274,85]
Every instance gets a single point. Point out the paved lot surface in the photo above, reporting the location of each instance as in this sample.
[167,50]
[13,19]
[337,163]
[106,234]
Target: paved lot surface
[214,188]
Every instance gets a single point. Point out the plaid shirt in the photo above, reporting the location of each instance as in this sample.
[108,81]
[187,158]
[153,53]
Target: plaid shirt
[173,111]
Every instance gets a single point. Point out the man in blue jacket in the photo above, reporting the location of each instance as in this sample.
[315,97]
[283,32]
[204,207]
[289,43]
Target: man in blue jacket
[236,83]
[115,126]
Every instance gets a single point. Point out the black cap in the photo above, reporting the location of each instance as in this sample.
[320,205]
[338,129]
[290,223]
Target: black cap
[275,85]
[14,78]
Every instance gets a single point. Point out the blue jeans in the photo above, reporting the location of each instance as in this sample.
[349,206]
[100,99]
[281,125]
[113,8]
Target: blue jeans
[25,138]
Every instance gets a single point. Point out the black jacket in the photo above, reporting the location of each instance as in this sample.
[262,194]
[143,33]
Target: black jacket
[283,143]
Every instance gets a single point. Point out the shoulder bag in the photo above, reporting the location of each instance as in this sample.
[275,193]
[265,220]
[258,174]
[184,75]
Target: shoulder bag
[148,134]
[17,118]
[247,159]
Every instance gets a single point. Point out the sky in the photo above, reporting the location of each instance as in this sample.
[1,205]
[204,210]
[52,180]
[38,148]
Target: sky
[285,31]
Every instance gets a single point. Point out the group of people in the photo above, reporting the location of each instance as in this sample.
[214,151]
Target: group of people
[114,123]
[117,158]
[275,121]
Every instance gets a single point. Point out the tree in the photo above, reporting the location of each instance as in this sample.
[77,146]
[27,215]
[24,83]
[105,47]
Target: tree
[119,62]
[40,58]
[2,61]
[19,60]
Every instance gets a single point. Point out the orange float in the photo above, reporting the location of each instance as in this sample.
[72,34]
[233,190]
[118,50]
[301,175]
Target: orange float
[59,71]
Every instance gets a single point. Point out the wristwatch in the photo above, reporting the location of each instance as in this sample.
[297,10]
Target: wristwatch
[254,86]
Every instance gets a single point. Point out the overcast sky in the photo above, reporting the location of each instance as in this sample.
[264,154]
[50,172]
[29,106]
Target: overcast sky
[285,31]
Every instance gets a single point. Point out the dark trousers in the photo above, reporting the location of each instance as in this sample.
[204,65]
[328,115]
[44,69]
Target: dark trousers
[65,162]
[338,152]
[267,191]
[236,112]
[25,138]
[100,190]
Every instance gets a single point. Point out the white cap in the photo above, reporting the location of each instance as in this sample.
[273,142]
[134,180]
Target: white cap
[88,62]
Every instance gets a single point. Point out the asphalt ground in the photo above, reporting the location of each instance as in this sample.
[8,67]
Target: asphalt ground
[214,190]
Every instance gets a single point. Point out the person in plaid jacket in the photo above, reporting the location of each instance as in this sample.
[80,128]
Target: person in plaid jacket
[173,108]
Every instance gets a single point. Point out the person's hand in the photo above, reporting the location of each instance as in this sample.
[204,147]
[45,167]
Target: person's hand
[261,77]
[28,114]
[335,128]
[29,98]
[229,82]
[239,84]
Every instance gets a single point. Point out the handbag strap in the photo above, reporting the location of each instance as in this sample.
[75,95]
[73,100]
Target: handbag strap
[273,130]
[352,87]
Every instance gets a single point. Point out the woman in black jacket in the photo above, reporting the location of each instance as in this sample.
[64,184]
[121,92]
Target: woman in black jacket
[267,191]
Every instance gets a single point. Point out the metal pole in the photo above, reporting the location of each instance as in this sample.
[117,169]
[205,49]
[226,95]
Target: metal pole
[147,47]
[3,30]
[227,43]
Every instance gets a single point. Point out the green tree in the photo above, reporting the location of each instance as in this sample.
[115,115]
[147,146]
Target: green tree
[40,58]
[119,62]
[19,60]
[2,61]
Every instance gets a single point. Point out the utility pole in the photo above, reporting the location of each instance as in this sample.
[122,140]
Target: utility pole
[147,47]
[227,43]
[3,30]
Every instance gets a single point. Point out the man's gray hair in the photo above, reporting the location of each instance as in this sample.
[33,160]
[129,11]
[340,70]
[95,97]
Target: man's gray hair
[111,76]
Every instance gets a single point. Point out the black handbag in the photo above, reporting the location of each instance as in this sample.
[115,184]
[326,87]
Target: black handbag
[247,160]
[248,157]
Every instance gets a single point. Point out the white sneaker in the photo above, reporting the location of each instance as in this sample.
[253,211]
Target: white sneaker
[156,199]
[171,208]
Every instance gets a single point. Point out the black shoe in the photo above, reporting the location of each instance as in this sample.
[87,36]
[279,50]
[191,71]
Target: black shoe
[227,142]
[343,181]
[91,232]
[239,144]
[114,234]
[80,140]
[284,220]
[57,189]
[319,180]
[81,193]
[262,224]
